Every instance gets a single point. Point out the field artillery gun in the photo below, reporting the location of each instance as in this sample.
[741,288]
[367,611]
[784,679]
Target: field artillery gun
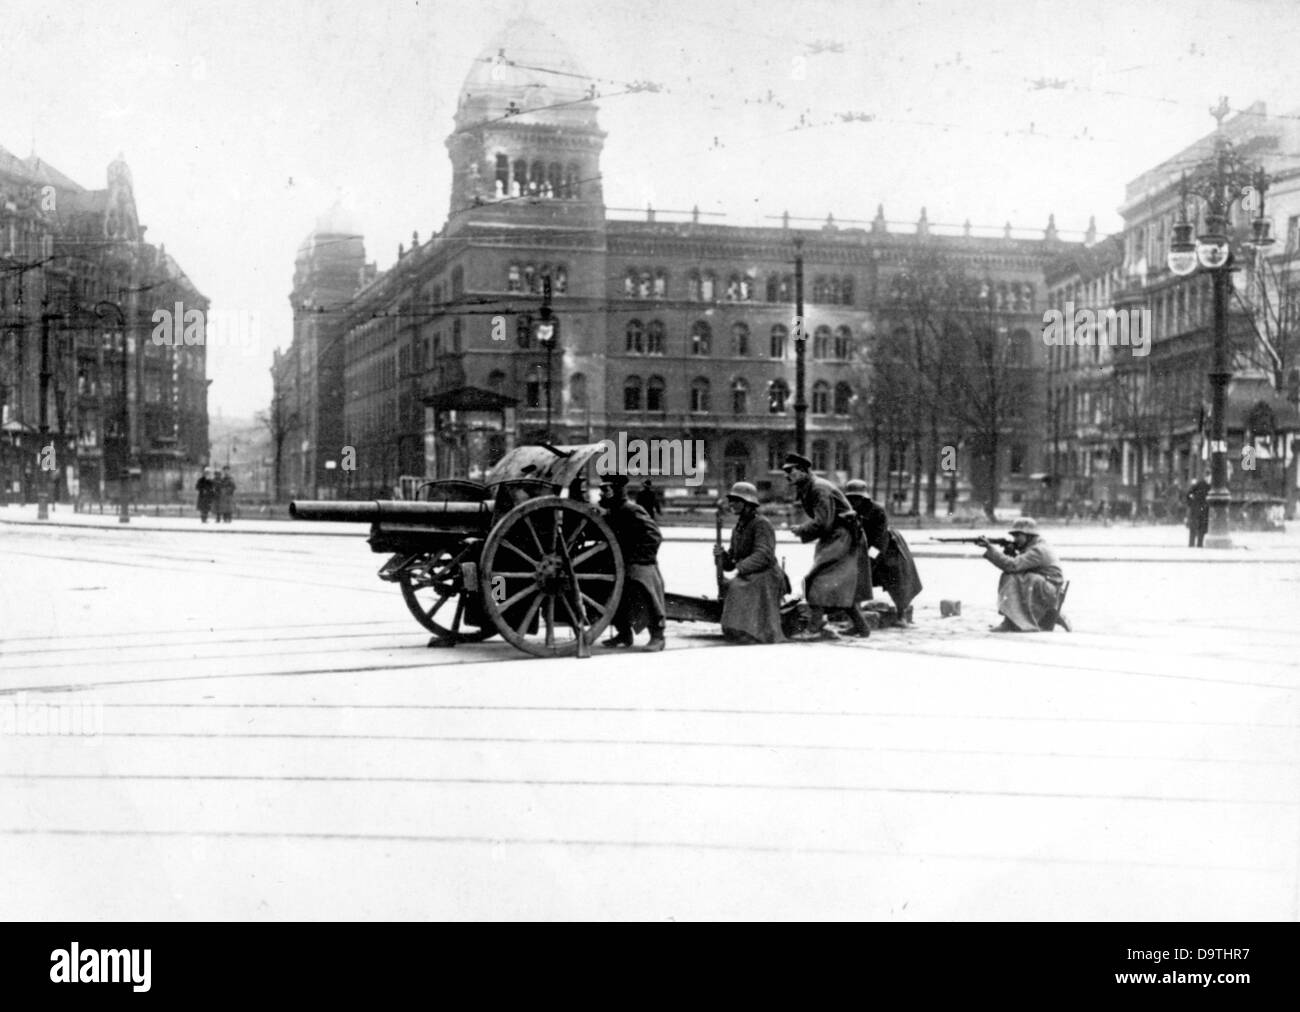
[520,554]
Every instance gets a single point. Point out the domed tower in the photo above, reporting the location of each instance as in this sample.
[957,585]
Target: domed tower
[526,144]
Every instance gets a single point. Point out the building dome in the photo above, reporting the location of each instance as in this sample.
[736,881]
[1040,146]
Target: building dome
[338,220]
[526,67]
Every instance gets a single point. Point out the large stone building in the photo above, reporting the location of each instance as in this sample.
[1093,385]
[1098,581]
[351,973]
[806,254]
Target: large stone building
[77,282]
[675,329]
[306,413]
[1130,430]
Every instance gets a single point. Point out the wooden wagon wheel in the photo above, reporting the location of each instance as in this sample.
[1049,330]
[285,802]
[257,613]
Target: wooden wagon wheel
[549,567]
[435,592]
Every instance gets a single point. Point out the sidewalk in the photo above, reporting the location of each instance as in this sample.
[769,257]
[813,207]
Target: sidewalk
[1118,542]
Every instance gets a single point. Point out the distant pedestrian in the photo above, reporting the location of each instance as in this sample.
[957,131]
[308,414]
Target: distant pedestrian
[648,499]
[207,490]
[225,495]
[1198,512]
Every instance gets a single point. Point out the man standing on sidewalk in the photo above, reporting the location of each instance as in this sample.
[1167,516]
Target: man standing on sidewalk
[1198,512]
[832,582]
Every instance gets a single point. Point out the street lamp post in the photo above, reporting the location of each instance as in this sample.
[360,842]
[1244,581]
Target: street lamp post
[46,454]
[1219,183]
[800,350]
[548,335]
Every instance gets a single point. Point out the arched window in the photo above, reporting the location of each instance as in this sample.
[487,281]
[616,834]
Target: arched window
[661,283]
[787,288]
[533,386]
[530,278]
[700,396]
[778,392]
[693,286]
[821,398]
[457,281]
[554,180]
[644,285]
[776,451]
[843,398]
[739,397]
[735,457]
[740,339]
[733,288]
[821,343]
[708,286]
[772,288]
[457,338]
[560,280]
[820,454]
[655,397]
[843,343]
[635,338]
[629,283]
[776,348]
[701,338]
[536,178]
[833,291]
[502,175]
[819,289]
[842,462]
[654,344]
[846,291]
[746,288]
[632,393]
[514,282]
[519,182]
[578,391]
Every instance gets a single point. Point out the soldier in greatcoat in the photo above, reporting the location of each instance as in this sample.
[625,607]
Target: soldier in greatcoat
[892,569]
[207,493]
[642,604]
[832,582]
[751,607]
[1030,588]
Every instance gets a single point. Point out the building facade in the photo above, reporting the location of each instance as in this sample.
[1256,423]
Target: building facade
[674,329]
[82,299]
[1130,429]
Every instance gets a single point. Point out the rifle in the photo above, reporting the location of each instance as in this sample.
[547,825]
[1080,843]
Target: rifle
[1003,543]
[717,540]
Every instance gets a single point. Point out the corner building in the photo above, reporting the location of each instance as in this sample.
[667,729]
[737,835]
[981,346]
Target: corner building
[677,330]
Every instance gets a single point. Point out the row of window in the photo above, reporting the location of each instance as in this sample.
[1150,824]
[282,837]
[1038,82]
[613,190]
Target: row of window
[529,278]
[824,400]
[521,178]
[706,286]
[652,394]
[651,339]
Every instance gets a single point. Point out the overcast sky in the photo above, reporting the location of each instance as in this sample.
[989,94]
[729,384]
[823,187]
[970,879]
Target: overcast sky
[243,121]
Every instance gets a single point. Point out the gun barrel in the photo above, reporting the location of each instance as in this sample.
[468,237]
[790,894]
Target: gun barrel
[376,511]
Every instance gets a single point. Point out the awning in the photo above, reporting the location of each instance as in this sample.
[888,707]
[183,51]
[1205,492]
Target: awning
[468,398]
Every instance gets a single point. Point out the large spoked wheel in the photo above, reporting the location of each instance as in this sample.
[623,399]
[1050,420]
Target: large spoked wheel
[435,592]
[550,567]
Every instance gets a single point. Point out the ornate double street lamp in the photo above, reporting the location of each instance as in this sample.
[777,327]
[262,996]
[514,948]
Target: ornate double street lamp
[1220,182]
[547,332]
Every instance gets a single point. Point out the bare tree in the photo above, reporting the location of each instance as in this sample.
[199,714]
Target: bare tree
[990,386]
[279,421]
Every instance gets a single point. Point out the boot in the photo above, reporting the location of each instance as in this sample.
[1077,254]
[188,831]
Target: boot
[656,640]
[859,622]
[621,638]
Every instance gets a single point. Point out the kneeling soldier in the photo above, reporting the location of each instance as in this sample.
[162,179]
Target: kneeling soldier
[642,604]
[1029,591]
[751,609]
